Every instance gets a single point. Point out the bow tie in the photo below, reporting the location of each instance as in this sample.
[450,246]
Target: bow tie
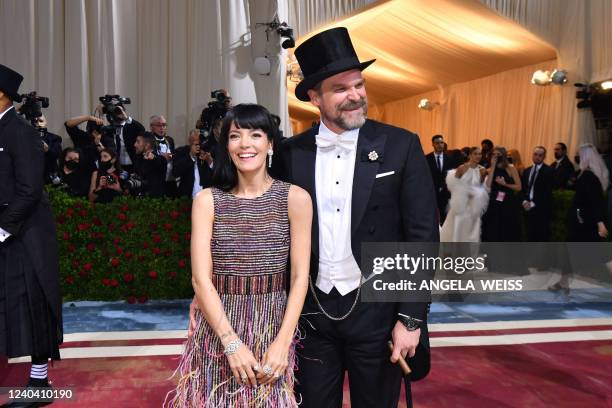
[326,141]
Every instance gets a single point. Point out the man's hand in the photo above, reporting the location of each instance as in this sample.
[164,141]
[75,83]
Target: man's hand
[404,342]
[192,320]
[207,157]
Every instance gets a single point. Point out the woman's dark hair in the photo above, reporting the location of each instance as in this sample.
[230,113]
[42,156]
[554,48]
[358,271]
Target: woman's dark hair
[62,158]
[113,154]
[244,116]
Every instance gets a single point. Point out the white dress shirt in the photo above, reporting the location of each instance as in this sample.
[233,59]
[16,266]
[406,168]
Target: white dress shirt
[535,171]
[440,157]
[196,179]
[334,170]
[124,156]
[3,234]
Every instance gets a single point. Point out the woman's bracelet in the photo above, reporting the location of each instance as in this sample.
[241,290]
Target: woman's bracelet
[232,347]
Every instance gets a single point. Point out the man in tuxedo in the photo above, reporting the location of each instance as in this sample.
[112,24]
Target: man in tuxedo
[165,148]
[192,166]
[562,167]
[149,166]
[370,183]
[121,136]
[52,146]
[537,197]
[30,300]
[439,164]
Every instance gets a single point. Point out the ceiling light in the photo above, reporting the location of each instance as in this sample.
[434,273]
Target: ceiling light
[559,76]
[541,78]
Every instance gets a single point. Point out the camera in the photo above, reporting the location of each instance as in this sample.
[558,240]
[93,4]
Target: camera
[110,179]
[111,106]
[211,115]
[134,182]
[32,106]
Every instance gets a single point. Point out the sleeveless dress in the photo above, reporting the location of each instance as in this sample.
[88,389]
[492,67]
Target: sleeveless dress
[250,252]
[501,222]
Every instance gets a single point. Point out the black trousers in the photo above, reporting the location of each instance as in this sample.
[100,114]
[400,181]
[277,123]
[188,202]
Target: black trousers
[357,345]
[27,325]
[537,224]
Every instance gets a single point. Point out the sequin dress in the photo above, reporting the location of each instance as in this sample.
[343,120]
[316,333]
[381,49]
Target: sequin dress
[250,250]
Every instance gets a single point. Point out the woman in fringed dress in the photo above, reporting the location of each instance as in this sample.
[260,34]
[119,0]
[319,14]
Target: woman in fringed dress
[245,230]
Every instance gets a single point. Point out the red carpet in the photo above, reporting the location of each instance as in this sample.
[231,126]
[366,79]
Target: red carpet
[569,374]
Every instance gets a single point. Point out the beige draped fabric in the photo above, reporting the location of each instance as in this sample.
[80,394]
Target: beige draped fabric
[476,58]
[167,55]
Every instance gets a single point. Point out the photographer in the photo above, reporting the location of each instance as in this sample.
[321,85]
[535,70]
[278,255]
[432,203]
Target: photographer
[88,141]
[122,131]
[149,166]
[165,148]
[73,177]
[193,166]
[52,147]
[105,182]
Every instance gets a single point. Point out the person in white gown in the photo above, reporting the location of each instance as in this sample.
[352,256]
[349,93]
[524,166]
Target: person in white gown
[468,202]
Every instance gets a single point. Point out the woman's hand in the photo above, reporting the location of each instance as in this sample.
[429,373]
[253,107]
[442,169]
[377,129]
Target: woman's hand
[274,362]
[243,365]
[602,230]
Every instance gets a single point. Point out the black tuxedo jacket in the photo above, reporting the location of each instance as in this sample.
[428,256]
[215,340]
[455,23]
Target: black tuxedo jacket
[153,172]
[439,177]
[562,173]
[169,141]
[130,131]
[24,208]
[542,189]
[55,149]
[394,208]
[182,166]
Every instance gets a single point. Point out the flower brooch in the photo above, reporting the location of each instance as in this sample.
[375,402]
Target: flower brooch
[372,156]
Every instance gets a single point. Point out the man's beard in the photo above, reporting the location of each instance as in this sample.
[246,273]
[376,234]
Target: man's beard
[352,122]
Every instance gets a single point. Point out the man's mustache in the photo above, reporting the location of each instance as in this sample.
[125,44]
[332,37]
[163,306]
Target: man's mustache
[352,105]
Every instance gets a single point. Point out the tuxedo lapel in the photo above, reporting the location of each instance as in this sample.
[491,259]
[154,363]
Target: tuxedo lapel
[365,170]
[7,118]
[303,174]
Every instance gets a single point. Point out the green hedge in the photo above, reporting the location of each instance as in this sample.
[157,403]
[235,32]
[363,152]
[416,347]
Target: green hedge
[138,249]
[131,249]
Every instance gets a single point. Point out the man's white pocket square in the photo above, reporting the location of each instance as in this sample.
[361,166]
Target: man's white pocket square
[385,174]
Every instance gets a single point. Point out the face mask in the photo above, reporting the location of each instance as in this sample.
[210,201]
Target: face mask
[105,166]
[71,165]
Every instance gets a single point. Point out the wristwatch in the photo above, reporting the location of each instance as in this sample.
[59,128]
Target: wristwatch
[409,322]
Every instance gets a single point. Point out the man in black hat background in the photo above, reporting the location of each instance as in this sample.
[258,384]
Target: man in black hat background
[371,183]
[30,300]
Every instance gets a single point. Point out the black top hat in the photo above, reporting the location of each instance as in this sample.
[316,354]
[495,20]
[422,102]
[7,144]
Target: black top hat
[9,82]
[326,54]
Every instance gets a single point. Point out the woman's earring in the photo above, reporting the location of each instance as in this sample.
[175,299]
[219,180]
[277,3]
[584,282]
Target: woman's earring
[270,153]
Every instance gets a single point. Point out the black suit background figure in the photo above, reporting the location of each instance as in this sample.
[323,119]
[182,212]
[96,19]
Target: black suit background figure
[185,158]
[563,169]
[392,199]
[30,299]
[438,174]
[538,205]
